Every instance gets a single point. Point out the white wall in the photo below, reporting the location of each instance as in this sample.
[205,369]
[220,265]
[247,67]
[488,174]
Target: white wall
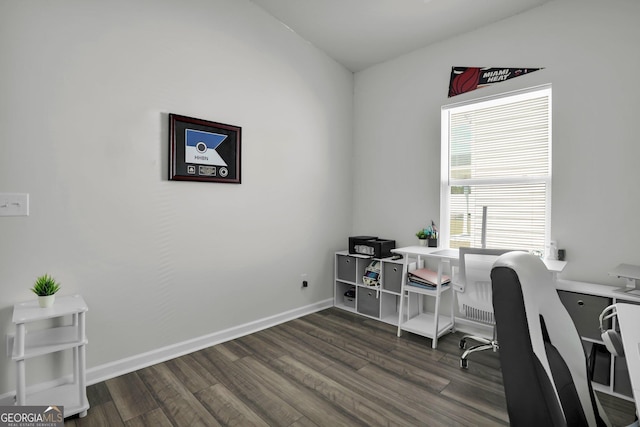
[590,54]
[86,87]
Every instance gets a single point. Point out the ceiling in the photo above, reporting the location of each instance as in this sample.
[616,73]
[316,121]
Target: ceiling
[361,33]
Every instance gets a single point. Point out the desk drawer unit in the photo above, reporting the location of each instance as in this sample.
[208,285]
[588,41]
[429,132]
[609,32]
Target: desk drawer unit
[368,301]
[585,310]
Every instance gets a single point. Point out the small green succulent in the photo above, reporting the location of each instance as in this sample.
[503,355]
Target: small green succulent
[45,285]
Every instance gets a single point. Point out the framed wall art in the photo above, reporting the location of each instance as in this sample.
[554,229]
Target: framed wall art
[200,150]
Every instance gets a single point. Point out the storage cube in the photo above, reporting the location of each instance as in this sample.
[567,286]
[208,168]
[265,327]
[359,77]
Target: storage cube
[350,302]
[392,276]
[346,268]
[368,301]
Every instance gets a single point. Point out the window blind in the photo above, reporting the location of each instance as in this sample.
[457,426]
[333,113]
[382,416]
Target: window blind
[498,156]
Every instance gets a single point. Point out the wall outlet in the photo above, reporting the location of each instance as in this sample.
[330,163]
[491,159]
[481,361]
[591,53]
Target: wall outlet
[305,282]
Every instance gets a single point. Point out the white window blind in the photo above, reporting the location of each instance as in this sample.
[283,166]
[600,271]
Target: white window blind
[496,172]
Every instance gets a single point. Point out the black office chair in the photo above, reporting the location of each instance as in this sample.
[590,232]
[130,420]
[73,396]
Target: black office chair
[544,367]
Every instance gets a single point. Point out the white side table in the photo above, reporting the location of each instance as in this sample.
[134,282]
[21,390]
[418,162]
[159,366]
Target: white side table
[25,345]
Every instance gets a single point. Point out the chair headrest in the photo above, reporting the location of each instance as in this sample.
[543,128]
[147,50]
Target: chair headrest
[520,262]
[533,275]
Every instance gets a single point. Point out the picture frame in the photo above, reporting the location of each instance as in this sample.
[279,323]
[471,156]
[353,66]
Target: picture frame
[202,150]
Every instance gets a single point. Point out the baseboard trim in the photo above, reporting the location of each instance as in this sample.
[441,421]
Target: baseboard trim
[130,364]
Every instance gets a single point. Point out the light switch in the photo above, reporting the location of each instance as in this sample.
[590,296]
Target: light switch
[14,204]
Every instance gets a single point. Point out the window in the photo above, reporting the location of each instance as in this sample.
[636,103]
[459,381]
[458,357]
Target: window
[496,172]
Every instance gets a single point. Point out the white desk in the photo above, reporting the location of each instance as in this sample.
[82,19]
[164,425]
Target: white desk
[448,255]
[434,325]
[629,318]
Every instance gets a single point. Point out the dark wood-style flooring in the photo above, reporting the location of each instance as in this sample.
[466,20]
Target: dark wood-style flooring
[331,368]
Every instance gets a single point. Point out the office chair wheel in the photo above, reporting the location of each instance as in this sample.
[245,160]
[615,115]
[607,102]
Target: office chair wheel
[462,344]
[464,363]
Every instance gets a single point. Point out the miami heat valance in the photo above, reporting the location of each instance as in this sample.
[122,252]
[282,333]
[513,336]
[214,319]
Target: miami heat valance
[466,79]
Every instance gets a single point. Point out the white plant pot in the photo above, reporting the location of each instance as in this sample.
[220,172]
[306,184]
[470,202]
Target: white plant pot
[46,301]
[423,242]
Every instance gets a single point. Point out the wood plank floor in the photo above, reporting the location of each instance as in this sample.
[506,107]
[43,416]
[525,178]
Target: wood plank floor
[331,368]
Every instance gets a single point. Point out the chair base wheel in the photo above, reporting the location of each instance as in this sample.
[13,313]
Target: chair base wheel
[464,364]
[462,344]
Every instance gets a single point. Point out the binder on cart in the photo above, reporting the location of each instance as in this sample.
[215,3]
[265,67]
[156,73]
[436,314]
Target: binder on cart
[426,278]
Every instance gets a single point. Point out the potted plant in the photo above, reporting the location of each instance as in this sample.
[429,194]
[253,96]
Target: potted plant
[428,236]
[422,237]
[45,287]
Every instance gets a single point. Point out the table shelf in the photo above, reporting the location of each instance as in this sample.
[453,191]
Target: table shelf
[63,395]
[45,341]
[426,322]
